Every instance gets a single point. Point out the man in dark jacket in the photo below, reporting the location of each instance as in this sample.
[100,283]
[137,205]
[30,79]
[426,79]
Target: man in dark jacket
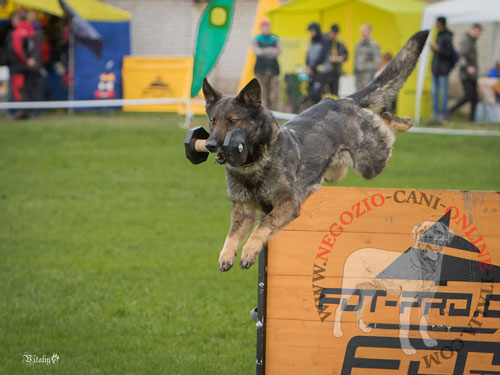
[267,49]
[442,63]
[469,70]
[337,56]
[317,62]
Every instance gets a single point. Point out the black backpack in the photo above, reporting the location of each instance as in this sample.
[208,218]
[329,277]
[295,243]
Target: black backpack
[454,54]
[454,57]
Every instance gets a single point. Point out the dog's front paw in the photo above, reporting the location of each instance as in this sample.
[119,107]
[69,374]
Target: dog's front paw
[409,351]
[337,331]
[406,346]
[247,260]
[226,261]
[249,254]
[430,342]
[225,265]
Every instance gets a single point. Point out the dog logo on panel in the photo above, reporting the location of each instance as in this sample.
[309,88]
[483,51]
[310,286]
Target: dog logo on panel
[416,271]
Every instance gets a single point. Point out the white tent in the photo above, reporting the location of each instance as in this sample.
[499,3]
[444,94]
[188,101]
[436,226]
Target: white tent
[456,12]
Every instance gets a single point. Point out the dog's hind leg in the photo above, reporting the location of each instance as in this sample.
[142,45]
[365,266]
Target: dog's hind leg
[242,221]
[396,123]
[371,154]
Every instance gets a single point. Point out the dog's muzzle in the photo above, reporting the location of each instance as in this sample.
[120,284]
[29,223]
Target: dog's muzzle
[234,150]
[431,251]
[220,159]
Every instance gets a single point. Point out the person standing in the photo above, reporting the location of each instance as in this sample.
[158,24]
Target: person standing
[267,49]
[317,63]
[338,55]
[469,70]
[489,90]
[366,58]
[443,60]
[21,60]
[38,74]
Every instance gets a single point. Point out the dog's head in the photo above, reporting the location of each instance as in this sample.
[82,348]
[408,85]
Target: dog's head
[244,111]
[431,236]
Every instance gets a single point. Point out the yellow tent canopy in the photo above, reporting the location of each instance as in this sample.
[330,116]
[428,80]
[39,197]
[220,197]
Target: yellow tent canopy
[393,22]
[90,10]
[6,10]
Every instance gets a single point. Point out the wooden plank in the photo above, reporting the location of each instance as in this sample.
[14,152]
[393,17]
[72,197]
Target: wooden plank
[302,347]
[401,209]
[296,252]
[292,297]
[378,251]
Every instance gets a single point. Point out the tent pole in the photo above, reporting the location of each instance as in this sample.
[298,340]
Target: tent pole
[495,32]
[349,33]
[188,120]
[421,73]
[71,69]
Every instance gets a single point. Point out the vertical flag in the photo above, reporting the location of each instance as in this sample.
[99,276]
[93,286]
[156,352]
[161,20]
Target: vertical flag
[83,31]
[213,30]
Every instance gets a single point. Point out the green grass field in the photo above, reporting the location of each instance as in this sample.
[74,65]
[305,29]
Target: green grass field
[109,241]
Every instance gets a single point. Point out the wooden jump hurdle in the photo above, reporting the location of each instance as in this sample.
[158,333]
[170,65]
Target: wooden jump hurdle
[423,264]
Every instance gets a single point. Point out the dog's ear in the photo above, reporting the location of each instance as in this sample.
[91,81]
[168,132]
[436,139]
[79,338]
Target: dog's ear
[211,95]
[251,93]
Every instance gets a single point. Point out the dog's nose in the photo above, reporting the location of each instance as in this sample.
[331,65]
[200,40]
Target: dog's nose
[211,145]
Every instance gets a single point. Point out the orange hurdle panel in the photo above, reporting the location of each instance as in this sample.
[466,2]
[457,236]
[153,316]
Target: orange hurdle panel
[385,281]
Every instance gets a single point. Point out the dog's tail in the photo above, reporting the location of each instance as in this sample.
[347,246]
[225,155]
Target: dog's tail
[383,89]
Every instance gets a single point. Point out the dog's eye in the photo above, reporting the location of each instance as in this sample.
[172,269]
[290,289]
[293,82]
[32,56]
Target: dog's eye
[234,120]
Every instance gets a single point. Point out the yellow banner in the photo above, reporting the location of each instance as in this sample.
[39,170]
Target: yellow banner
[156,77]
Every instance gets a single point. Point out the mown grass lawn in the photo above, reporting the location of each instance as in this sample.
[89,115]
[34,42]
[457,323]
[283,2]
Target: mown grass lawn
[109,241]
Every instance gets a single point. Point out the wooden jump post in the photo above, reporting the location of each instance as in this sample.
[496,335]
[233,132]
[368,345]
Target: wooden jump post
[383,281]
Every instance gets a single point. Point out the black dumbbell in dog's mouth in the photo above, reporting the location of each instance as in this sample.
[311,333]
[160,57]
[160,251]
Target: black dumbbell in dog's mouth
[234,150]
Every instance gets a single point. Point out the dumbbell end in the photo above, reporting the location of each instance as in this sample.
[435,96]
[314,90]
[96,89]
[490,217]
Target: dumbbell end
[235,148]
[195,134]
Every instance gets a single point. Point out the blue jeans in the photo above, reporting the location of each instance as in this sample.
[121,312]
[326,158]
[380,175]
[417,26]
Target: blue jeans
[439,87]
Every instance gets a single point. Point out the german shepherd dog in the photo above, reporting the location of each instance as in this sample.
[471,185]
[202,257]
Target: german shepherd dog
[286,164]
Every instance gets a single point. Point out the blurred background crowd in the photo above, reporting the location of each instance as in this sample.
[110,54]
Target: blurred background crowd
[35,51]
[326,55]
[298,62]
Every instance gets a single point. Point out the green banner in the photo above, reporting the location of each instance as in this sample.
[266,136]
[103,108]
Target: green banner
[213,30]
